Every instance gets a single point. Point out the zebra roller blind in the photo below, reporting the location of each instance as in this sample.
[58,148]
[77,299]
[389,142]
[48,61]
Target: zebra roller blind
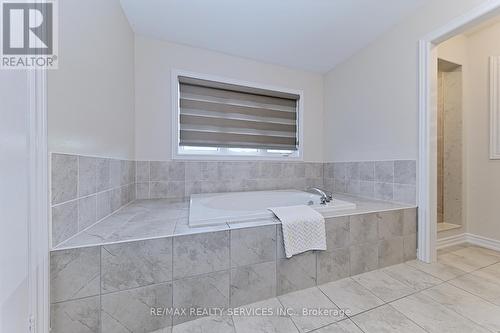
[215,114]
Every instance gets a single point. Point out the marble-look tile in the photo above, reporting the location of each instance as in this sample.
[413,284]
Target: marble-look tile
[467,305]
[267,170]
[87,214]
[115,173]
[353,186]
[433,317]
[344,326]
[203,170]
[167,171]
[386,319]
[412,277]
[215,324]
[158,190]
[77,316]
[363,258]
[297,272]
[130,310]
[367,188]
[314,170]
[405,172]
[485,250]
[384,171]
[332,265]
[463,263]
[253,245]
[339,170]
[115,199]
[390,224]
[352,170]
[145,229]
[491,273]
[453,248]
[124,197]
[383,286]
[264,324]
[210,290]
[87,175]
[410,247]
[350,296]
[135,264]
[339,185]
[390,252]
[201,253]
[74,273]
[64,221]
[104,204]
[127,172]
[363,228]
[170,189]
[253,283]
[142,190]
[185,229]
[405,193]
[280,245]
[142,171]
[437,269]
[410,221]
[479,286]
[311,298]
[64,177]
[367,171]
[163,330]
[384,191]
[337,232]
[103,181]
[478,255]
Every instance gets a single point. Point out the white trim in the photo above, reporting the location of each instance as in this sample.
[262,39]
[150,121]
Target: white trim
[488,243]
[175,73]
[450,241]
[494,107]
[38,223]
[469,238]
[427,123]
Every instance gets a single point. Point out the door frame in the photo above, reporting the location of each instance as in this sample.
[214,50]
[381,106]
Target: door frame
[427,163]
[38,203]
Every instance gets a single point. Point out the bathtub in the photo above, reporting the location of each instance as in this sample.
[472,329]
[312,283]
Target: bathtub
[219,208]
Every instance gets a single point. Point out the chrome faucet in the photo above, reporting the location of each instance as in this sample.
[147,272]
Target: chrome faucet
[326,196]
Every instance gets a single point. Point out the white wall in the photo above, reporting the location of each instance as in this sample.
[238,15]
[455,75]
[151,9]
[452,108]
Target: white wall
[91,95]
[154,61]
[14,310]
[371,100]
[483,174]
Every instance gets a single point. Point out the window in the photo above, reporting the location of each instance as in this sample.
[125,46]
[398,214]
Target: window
[217,118]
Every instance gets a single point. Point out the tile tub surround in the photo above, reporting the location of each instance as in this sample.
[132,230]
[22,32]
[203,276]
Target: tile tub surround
[229,267]
[382,180]
[178,179]
[85,190]
[155,218]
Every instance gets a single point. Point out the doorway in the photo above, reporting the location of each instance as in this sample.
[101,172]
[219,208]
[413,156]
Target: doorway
[428,198]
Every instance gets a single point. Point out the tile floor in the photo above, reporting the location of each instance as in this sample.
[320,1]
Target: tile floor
[459,293]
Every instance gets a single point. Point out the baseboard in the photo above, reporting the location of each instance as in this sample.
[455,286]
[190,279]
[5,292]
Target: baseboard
[488,243]
[451,240]
[485,242]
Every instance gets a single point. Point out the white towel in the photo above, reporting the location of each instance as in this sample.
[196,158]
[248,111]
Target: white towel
[303,229]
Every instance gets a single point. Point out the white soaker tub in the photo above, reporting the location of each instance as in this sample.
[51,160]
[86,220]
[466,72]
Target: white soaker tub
[218,208]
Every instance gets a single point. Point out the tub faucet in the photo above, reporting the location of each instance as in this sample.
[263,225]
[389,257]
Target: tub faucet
[326,196]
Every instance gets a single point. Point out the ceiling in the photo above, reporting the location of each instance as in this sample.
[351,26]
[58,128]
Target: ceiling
[312,35]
